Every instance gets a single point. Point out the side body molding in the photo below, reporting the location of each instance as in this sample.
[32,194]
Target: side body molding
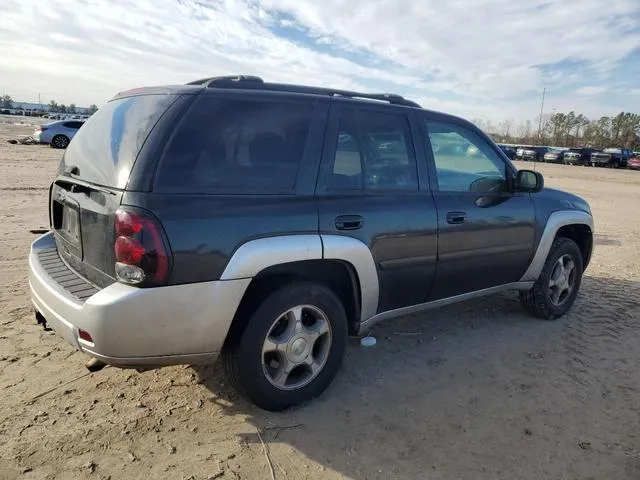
[555,222]
[356,253]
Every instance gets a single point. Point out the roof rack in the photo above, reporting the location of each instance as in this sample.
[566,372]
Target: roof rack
[256,83]
[229,79]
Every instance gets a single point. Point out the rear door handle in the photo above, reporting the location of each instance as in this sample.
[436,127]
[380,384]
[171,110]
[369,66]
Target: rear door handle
[456,217]
[349,222]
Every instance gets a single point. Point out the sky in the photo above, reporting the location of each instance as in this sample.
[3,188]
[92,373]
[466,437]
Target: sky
[480,59]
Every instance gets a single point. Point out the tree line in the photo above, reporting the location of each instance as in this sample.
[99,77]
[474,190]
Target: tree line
[54,107]
[7,102]
[569,130]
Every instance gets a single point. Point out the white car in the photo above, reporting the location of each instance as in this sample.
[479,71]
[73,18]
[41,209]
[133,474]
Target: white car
[57,134]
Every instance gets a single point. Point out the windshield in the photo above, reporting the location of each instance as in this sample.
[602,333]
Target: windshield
[105,148]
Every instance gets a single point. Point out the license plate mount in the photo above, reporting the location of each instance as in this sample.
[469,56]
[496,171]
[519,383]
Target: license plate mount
[69,231]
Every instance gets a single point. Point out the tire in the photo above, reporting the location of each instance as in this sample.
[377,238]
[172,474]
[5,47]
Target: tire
[539,300]
[60,141]
[256,370]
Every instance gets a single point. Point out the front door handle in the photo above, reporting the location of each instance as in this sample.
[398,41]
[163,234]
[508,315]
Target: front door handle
[349,222]
[455,218]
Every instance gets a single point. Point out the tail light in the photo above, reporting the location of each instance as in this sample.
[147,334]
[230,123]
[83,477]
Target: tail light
[40,129]
[141,249]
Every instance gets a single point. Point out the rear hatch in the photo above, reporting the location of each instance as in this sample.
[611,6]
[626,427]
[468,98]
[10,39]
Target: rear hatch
[92,176]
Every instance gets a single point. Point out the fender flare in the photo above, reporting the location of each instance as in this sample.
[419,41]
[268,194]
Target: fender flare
[555,222]
[257,255]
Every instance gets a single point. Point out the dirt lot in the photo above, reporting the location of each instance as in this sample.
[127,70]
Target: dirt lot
[475,391]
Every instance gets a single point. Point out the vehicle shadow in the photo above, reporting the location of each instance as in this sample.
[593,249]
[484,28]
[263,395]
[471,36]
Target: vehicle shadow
[476,390]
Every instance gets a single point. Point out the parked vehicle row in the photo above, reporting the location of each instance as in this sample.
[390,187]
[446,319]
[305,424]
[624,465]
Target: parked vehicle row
[612,157]
[608,157]
[65,116]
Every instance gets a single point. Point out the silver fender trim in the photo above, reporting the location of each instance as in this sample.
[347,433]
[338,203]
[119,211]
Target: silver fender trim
[256,255]
[556,221]
[357,254]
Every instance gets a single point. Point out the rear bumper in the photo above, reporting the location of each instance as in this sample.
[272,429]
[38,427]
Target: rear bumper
[131,326]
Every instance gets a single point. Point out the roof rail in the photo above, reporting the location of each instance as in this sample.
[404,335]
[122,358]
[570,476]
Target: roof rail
[256,83]
[222,81]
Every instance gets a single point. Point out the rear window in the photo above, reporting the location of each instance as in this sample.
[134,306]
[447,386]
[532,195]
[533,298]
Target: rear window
[236,146]
[105,148]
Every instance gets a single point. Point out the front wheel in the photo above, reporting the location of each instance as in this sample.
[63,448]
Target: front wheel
[557,286]
[291,348]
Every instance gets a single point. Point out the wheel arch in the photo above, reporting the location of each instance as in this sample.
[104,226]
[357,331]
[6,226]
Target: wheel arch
[574,224]
[343,264]
[582,235]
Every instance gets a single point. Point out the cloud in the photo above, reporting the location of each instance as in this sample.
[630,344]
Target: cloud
[591,90]
[476,58]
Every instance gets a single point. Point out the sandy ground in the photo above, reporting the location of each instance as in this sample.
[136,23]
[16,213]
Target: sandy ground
[475,391]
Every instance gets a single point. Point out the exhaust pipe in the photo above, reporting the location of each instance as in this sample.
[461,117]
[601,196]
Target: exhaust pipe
[95,365]
[40,320]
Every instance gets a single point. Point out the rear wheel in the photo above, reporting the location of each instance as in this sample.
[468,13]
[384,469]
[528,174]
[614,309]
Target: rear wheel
[291,348]
[557,287]
[60,141]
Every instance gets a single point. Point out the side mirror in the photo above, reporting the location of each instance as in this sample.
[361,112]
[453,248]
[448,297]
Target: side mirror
[529,181]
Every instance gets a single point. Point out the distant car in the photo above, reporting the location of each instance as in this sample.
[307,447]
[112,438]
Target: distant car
[554,155]
[579,156]
[535,154]
[634,162]
[508,151]
[611,157]
[57,134]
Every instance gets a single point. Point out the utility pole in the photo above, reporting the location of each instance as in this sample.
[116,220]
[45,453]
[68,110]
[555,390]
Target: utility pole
[541,109]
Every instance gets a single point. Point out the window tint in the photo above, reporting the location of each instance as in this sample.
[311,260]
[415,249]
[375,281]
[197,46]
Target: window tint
[464,161]
[74,125]
[244,146]
[374,151]
[107,145]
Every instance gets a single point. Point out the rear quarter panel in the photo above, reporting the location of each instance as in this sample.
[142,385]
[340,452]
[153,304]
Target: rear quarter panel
[205,230]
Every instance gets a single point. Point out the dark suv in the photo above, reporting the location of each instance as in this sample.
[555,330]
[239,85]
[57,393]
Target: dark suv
[579,156]
[266,223]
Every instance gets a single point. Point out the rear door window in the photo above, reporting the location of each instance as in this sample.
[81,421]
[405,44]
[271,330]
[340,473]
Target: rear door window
[374,152]
[104,150]
[237,146]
